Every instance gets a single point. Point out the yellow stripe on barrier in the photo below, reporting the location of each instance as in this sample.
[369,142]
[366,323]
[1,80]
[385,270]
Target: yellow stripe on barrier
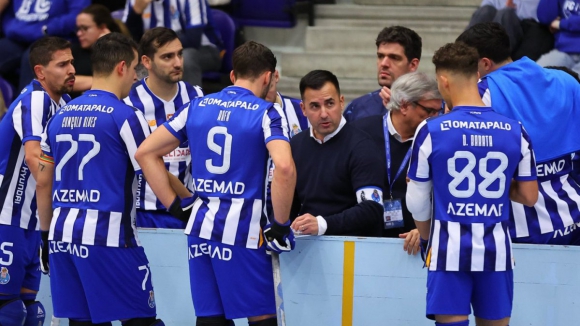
[348,283]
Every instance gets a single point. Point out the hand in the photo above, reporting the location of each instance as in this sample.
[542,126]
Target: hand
[510,4]
[385,94]
[305,224]
[182,209]
[555,25]
[279,237]
[412,242]
[44,253]
[140,6]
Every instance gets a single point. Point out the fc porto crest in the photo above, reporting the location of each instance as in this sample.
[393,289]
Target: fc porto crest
[4,276]
[295,130]
[151,300]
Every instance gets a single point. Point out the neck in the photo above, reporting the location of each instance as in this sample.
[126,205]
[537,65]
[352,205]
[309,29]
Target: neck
[54,96]
[106,84]
[252,86]
[465,93]
[161,89]
[401,127]
[496,66]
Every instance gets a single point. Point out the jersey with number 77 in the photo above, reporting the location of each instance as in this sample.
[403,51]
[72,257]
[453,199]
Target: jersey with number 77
[471,155]
[227,133]
[93,141]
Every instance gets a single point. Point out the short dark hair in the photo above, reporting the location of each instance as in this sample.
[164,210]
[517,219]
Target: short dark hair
[111,49]
[42,50]
[252,59]
[102,16]
[316,79]
[155,38]
[456,57]
[489,39]
[566,70]
[406,37]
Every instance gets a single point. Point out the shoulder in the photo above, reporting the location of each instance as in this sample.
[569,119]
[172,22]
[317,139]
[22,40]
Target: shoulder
[192,90]
[368,123]
[369,97]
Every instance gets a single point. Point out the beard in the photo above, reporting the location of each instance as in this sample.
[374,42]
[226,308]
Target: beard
[267,89]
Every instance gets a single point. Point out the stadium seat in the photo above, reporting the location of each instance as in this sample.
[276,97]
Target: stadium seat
[227,29]
[266,13]
[7,91]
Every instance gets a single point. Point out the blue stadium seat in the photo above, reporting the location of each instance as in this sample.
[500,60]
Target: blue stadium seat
[268,13]
[7,91]
[227,29]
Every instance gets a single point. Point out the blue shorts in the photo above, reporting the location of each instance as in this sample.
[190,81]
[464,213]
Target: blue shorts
[230,280]
[568,236]
[100,284]
[158,219]
[19,260]
[451,293]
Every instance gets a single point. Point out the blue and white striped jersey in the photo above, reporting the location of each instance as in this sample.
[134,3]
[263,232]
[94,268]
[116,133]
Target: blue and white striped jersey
[173,14]
[24,121]
[227,134]
[471,155]
[93,141]
[157,111]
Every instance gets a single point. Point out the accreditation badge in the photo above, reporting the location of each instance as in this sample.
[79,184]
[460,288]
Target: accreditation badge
[393,214]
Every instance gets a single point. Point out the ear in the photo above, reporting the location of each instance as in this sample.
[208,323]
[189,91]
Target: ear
[303,108]
[487,64]
[121,68]
[39,72]
[444,82]
[341,100]
[413,65]
[146,61]
[267,76]
[232,77]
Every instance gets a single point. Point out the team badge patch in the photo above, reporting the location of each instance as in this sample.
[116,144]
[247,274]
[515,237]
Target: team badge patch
[151,300]
[295,130]
[4,276]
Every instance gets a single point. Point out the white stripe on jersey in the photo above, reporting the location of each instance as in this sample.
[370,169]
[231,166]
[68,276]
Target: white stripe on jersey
[8,205]
[266,121]
[422,161]
[55,215]
[290,113]
[453,246]
[150,198]
[525,165]
[17,119]
[520,220]
[500,248]
[194,210]
[207,225]
[478,251]
[26,213]
[544,219]
[486,98]
[178,122]
[69,223]
[36,111]
[434,244]
[148,105]
[185,96]
[562,206]
[114,231]
[195,13]
[129,140]
[90,227]
[572,194]
[254,232]
[232,221]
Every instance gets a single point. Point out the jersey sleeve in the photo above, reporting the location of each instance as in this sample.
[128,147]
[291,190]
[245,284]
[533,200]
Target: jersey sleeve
[419,166]
[45,143]
[483,89]
[177,124]
[274,124]
[29,114]
[133,132]
[526,170]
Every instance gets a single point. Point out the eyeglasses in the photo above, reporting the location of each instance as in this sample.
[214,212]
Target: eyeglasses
[429,111]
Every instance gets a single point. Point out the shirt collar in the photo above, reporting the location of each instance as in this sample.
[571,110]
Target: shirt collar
[393,131]
[329,136]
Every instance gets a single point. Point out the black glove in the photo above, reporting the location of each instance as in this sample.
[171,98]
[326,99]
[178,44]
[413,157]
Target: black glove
[44,252]
[181,209]
[279,237]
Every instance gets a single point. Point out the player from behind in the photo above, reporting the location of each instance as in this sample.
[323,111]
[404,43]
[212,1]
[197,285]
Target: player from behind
[99,271]
[474,160]
[20,135]
[230,134]
[158,96]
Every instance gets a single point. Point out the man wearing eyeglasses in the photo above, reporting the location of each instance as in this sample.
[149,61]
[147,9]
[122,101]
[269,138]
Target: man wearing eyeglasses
[414,98]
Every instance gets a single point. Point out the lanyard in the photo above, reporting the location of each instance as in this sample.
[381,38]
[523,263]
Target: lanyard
[388,150]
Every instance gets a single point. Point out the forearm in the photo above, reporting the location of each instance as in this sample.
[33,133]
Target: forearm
[177,186]
[32,156]
[44,194]
[157,177]
[424,228]
[283,186]
[524,192]
[364,216]
[82,83]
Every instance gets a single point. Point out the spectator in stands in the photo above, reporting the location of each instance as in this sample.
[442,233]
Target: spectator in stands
[414,98]
[201,41]
[24,22]
[93,22]
[527,37]
[339,175]
[398,53]
[512,88]
[563,17]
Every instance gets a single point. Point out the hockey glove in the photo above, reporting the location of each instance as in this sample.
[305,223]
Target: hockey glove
[279,237]
[44,252]
[423,244]
[182,209]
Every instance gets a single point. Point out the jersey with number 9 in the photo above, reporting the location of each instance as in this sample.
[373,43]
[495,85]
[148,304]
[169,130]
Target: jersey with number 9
[227,133]
[471,155]
[93,142]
